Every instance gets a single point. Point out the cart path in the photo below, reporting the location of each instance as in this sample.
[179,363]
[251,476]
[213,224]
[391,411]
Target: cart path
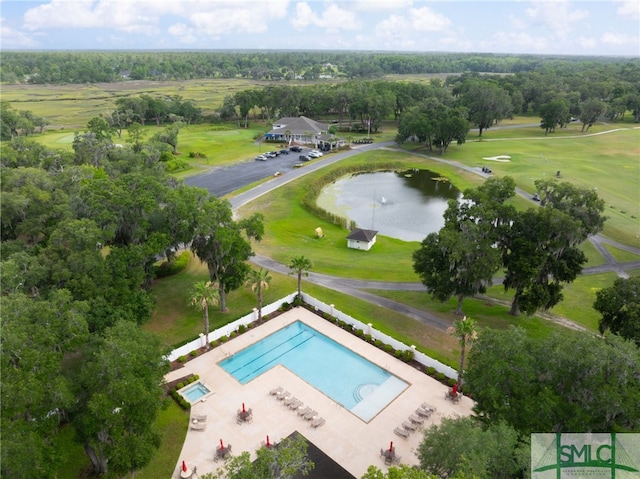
[357,287]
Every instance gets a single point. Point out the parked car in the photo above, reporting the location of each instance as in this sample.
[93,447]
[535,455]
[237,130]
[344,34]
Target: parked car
[270,154]
[305,158]
[261,158]
[295,149]
[314,154]
[284,152]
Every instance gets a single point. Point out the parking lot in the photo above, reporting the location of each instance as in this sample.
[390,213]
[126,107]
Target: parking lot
[221,181]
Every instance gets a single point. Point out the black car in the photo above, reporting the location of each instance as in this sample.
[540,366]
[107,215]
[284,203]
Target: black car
[284,152]
[297,149]
[305,158]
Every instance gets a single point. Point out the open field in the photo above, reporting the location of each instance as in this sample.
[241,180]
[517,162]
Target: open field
[72,106]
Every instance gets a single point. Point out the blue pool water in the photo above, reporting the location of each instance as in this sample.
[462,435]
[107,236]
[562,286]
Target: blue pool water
[346,377]
[194,392]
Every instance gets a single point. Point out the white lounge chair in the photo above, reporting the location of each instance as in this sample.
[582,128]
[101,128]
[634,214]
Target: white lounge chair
[275,391]
[409,426]
[401,432]
[318,422]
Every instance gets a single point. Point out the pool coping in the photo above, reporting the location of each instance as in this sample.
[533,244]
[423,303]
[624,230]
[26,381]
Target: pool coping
[348,440]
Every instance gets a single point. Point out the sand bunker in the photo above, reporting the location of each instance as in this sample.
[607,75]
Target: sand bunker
[503,158]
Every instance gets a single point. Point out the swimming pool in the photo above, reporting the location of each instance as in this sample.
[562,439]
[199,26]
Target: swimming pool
[194,392]
[349,379]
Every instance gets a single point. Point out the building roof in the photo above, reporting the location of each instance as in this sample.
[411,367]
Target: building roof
[298,126]
[362,235]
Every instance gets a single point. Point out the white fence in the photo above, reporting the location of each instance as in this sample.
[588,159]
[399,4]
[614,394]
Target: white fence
[319,306]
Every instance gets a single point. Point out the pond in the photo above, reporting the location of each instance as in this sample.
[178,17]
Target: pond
[407,205]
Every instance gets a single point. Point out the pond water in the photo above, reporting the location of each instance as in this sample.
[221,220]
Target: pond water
[407,205]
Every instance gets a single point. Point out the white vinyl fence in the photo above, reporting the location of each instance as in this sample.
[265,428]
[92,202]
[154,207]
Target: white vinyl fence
[321,307]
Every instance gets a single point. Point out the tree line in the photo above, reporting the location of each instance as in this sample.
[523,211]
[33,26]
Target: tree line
[94,67]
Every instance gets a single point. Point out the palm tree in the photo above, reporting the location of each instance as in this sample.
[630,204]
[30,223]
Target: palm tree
[259,280]
[465,331]
[203,295]
[300,265]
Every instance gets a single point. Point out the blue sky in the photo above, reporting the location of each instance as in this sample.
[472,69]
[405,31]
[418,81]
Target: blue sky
[559,27]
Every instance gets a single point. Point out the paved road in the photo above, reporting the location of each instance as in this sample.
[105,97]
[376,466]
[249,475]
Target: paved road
[219,180]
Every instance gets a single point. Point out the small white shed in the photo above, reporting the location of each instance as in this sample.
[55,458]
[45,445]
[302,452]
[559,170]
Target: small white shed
[361,239]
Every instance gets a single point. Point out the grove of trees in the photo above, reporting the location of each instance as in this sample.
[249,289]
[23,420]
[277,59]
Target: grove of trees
[81,232]
[538,248]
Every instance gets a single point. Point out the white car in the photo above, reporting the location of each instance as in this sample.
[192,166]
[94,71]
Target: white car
[314,154]
[261,158]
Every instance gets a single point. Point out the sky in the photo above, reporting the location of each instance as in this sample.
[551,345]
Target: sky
[552,27]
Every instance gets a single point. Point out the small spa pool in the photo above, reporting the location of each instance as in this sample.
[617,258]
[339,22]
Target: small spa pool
[346,377]
[195,392]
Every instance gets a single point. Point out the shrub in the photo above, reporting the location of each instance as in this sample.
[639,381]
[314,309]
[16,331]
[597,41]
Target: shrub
[177,164]
[297,301]
[451,382]
[182,359]
[223,339]
[194,353]
[388,349]
[179,385]
[241,329]
[213,343]
[440,377]
[368,338]
[342,324]
[408,355]
[378,343]
[168,268]
[431,371]
[233,334]
[359,333]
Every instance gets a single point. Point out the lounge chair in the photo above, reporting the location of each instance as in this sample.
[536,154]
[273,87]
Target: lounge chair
[381,452]
[409,426]
[310,415]
[318,422]
[428,407]
[283,395]
[423,412]
[396,459]
[296,404]
[275,391]
[303,411]
[199,417]
[416,419]
[198,426]
[290,400]
[401,432]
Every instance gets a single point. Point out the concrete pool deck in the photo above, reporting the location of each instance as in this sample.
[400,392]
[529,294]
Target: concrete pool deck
[348,440]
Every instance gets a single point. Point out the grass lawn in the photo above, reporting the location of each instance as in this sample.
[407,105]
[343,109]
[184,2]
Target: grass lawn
[620,255]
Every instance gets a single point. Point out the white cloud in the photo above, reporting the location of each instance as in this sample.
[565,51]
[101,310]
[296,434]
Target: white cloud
[425,19]
[144,16]
[618,39]
[379,5]
[183,33]
[9,37]
[332,19]
[558,15]
[518,42]
[629,9]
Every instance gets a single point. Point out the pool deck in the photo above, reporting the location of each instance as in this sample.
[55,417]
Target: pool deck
[344,437]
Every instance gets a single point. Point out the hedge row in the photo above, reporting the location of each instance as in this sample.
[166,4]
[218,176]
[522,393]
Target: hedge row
[177,397]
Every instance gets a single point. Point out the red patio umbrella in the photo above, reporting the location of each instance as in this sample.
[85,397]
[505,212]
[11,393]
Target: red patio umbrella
[391,446]
[268,443]
[184,467]
[221,444]
[243,408]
